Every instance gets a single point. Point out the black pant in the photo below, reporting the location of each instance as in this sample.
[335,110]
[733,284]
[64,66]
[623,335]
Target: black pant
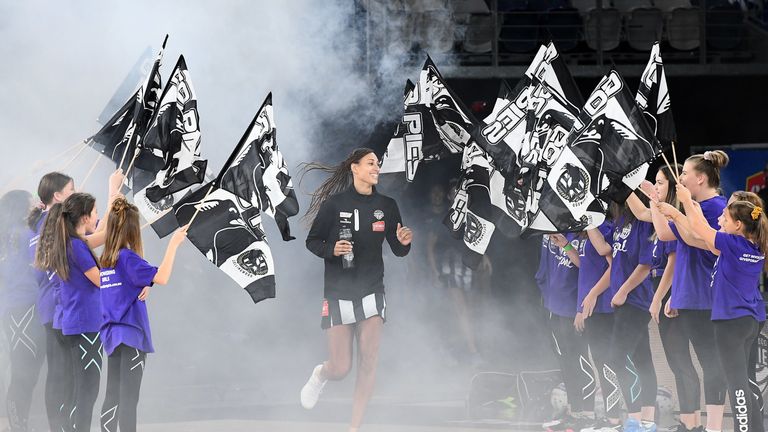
[734,339]
[753,360]
[678,354]
[700,331]
[630,369]
[59,384]
[126,368]
[578,375]
[599,328]
[87,357]
[26,343]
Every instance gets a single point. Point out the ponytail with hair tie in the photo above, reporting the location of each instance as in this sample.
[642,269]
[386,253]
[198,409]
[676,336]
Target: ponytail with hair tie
[756,212]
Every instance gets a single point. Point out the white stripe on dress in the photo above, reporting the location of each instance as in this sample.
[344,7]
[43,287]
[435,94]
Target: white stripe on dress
[347,311]
[369,306]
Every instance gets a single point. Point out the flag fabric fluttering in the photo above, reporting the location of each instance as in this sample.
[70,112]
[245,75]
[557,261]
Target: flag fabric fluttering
[653,99]
[552,105]
[118,138]
[258,173]
[435,124]
[607,146]
[228,231]
[228,227]
[481,207]
[173,138]
[135,77]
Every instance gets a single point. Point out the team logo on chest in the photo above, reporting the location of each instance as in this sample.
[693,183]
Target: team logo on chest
[378,214]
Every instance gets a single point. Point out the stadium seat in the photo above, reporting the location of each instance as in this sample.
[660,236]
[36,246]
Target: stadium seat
[643,27]
[626,6]
[520,27]
[584,6]
[479,34]
[683,28]
[564,26]
[610,28]
[666,6]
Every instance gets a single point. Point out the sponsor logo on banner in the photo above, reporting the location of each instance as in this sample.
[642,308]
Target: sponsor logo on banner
[573,184]
[378,226]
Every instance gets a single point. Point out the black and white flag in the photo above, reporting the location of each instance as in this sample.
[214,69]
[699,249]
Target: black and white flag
[653,99]
[612,121]
[501,133]
[554,102]
[435,124]
[257,171]
[228,231]
[607,146]
[119,137]
[174,139]
[481,207]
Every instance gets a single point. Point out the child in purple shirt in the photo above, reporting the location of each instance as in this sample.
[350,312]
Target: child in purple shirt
[737,305]
[125,281]
[18,287]
[557,278]
[69,233]
[631,291]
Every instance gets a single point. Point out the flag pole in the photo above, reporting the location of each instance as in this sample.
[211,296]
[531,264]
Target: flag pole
[210,189]
[165,212]
[671,171]
[77,146]
[90,171]
[674,158]
[646,194]
[66,165]
[131,164]
[125,152]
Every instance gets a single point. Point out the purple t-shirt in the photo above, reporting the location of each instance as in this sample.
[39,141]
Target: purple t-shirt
[735,279]
[79,297]
[47,281]
[557,277]
[125,318]
[660,254]
[691,290]
[632,247]
[17,277]
[591,269]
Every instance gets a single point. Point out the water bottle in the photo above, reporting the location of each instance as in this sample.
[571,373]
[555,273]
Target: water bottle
[347,260]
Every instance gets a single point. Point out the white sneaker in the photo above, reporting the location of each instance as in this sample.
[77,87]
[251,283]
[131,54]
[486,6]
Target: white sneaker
[311,391]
